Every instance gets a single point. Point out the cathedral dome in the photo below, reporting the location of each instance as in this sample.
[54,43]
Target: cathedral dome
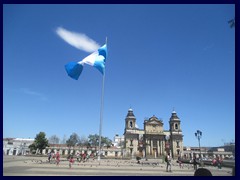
[130,113]
[174,116]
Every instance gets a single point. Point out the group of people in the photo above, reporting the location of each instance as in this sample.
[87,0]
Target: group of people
[198,171]
[52,156]
[168,160]
[83,157]
[217,162]
[80,157]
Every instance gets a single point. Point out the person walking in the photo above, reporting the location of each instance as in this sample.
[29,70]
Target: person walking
[49,157]
[71,161]
[219,162]
[57,158]
[78,157]
[180,162]
[169,165]
[195,163]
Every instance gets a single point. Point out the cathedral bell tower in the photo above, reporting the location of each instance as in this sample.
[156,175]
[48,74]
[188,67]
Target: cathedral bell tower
[130,121]
[176,137]
[131,134]
[174,123]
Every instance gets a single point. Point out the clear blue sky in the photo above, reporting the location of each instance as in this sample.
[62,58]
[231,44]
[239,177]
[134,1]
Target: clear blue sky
[160,57]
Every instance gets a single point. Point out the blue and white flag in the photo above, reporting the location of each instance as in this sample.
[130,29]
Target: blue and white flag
[96,59]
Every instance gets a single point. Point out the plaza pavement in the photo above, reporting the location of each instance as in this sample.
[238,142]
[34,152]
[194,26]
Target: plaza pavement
[38,166]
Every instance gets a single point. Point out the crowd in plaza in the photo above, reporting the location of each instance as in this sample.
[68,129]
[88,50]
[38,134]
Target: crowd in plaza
[84,157]
[80,157]
[79,164]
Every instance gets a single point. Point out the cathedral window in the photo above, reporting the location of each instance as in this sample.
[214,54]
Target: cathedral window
[131,142]
[178,144]
[178,152]
[176,126]
[131,124]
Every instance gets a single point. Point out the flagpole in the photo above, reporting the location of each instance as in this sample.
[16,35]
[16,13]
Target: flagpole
[101,114]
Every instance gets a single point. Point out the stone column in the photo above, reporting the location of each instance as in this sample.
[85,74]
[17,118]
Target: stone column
[17,151]
[60,152]
[148,151]
[151,147]
[163,147]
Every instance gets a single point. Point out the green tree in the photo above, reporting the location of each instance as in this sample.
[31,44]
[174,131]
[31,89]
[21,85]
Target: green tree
[106,142]
[39,143]
[32,147]
[73,140]
[94,140]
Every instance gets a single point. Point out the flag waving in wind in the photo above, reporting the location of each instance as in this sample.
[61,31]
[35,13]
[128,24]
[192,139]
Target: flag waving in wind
[82,42]
[96,59]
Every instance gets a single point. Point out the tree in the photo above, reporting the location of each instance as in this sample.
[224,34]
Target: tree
[83,141]
[53,139]
[64,140]
[73,140]
[94,140]
[32,147]
[105,141]
[39,143]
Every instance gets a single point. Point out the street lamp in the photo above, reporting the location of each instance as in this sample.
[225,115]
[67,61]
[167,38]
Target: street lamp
[198,135]
[168,145]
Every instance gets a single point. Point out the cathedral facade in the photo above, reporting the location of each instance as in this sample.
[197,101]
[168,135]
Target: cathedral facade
[152,141]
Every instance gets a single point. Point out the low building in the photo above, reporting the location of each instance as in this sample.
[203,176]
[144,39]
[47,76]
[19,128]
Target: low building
[206,152]
[16,146]
[220,152]
[64,150]
[190,152]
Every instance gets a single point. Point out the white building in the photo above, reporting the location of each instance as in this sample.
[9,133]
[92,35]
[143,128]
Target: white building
[118,141]
[16,146]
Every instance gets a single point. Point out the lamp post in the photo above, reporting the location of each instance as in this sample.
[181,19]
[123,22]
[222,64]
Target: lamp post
[198,135]
[167,144]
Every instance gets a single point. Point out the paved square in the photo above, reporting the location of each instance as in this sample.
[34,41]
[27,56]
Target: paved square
[38,166]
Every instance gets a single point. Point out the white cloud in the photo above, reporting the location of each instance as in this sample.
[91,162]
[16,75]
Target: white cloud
[78,40]
[208,47]
[33,93]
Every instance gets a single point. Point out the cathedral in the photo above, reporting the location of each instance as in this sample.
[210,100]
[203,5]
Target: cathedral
[153,141]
